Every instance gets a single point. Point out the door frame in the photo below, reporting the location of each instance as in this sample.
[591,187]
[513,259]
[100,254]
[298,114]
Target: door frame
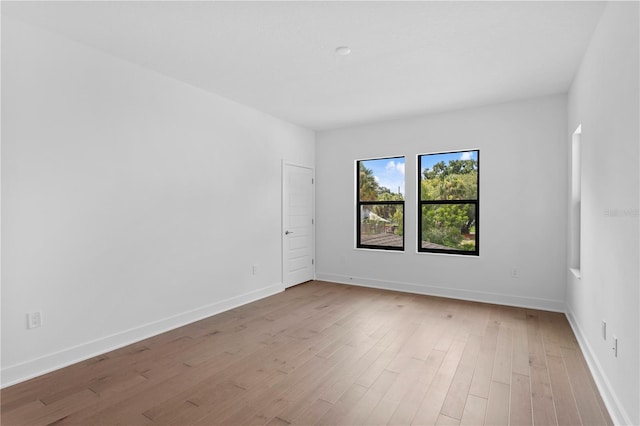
[286,163]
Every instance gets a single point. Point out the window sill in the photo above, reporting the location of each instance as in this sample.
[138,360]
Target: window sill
[378,250]
[469,256]
[576,273]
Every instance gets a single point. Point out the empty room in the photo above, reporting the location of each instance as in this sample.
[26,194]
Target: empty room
[331,213]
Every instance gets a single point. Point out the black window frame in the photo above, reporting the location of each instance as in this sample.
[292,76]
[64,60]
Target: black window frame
[475,202]
[360,204]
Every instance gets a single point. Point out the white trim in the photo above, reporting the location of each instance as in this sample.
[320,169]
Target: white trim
[616,410]
[36,367]
[452,293]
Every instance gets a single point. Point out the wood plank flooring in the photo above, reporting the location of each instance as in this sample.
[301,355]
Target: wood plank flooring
[329,354]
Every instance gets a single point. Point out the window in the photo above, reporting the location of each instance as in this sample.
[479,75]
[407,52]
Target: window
[574,219]
[448,202]
[380,203]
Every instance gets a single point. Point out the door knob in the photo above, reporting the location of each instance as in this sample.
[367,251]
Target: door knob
[288,232]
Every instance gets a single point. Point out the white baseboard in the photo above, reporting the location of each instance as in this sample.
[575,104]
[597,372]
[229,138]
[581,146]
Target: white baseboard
[453,293]
[36,367]
[618,414]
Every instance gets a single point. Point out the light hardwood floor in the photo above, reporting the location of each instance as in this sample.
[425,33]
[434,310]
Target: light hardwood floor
[328,354]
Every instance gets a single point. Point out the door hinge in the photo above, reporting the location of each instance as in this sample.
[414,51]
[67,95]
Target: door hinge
[312,221]
[312,261]
[311,181]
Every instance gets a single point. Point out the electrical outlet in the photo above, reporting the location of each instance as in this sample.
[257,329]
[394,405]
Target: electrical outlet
[515,273]
[604,329]
[34,320]
[615,346]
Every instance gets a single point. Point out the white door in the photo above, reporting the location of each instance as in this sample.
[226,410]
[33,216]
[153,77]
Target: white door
[297,224]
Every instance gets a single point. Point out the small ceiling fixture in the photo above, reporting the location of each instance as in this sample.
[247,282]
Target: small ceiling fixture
[343,50]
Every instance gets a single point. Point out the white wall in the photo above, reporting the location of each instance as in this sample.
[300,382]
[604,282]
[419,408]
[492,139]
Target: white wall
[523,205]
[604,99]
[132,203]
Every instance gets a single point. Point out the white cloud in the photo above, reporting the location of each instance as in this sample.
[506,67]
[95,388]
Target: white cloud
[392,177]
[466,155]
[393,166]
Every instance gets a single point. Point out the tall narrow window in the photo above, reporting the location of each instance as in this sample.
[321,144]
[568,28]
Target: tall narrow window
[448,209]
[576,199]
[380,203]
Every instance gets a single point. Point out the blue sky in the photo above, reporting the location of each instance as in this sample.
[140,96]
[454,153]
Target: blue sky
[389,172]
[429,160]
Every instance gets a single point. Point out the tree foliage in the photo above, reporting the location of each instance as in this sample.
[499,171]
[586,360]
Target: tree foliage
[453,167]
[450,224]
[370,190]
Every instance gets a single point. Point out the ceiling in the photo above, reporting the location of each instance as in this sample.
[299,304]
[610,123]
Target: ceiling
[408,58]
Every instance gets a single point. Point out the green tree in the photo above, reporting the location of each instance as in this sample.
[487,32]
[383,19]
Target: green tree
[369,188]
[387,210]
[398,219]
[446,224]
[453,167]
